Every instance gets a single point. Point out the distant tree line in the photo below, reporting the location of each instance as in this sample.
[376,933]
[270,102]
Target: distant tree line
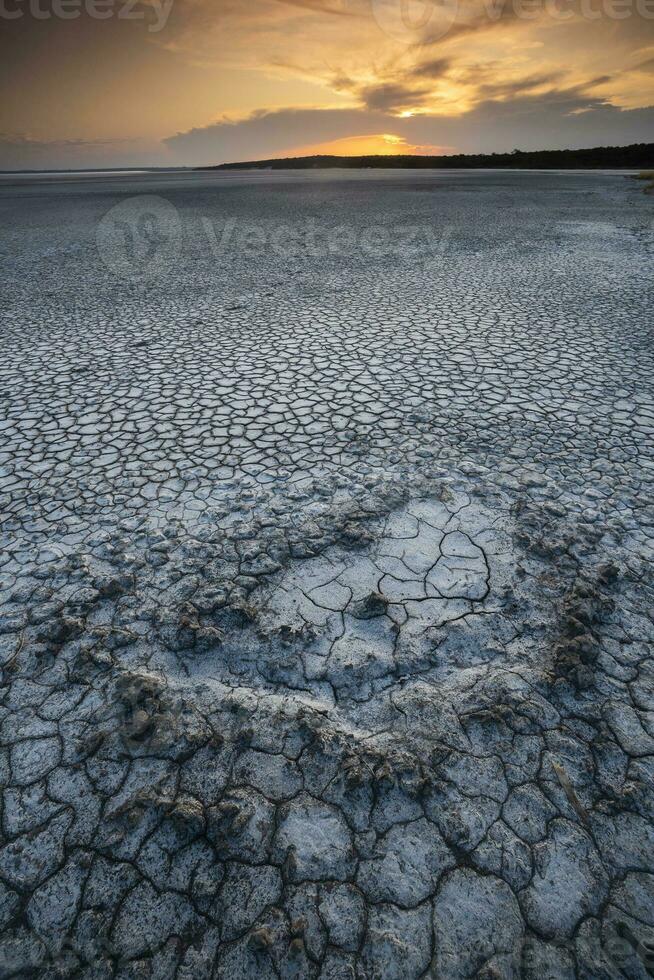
[635,156]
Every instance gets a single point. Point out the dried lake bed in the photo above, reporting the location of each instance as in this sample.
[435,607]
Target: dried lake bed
[326,583]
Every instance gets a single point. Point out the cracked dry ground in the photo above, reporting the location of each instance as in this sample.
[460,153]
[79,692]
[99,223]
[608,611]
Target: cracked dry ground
[326,588]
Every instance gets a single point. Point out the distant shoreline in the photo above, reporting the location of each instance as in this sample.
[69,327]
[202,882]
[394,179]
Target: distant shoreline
[636,156]
[83,171]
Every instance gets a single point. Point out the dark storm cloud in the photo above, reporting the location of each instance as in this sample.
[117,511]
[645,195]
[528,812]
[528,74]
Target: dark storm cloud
[435,68]
[397,89]
[554,120]
[269,133]
[390,96]
[565,98]
[499,88]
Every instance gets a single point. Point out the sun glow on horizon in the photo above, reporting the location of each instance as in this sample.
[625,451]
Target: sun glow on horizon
[374,144]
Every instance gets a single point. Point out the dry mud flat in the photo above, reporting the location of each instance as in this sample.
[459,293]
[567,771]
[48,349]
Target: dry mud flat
[326,584]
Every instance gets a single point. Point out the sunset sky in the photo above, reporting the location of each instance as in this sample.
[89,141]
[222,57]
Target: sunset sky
[205,81]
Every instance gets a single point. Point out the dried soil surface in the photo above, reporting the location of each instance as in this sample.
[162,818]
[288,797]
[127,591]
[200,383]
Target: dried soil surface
[326,581]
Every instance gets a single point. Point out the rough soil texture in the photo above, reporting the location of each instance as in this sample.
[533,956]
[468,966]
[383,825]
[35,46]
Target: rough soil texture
[326,588]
